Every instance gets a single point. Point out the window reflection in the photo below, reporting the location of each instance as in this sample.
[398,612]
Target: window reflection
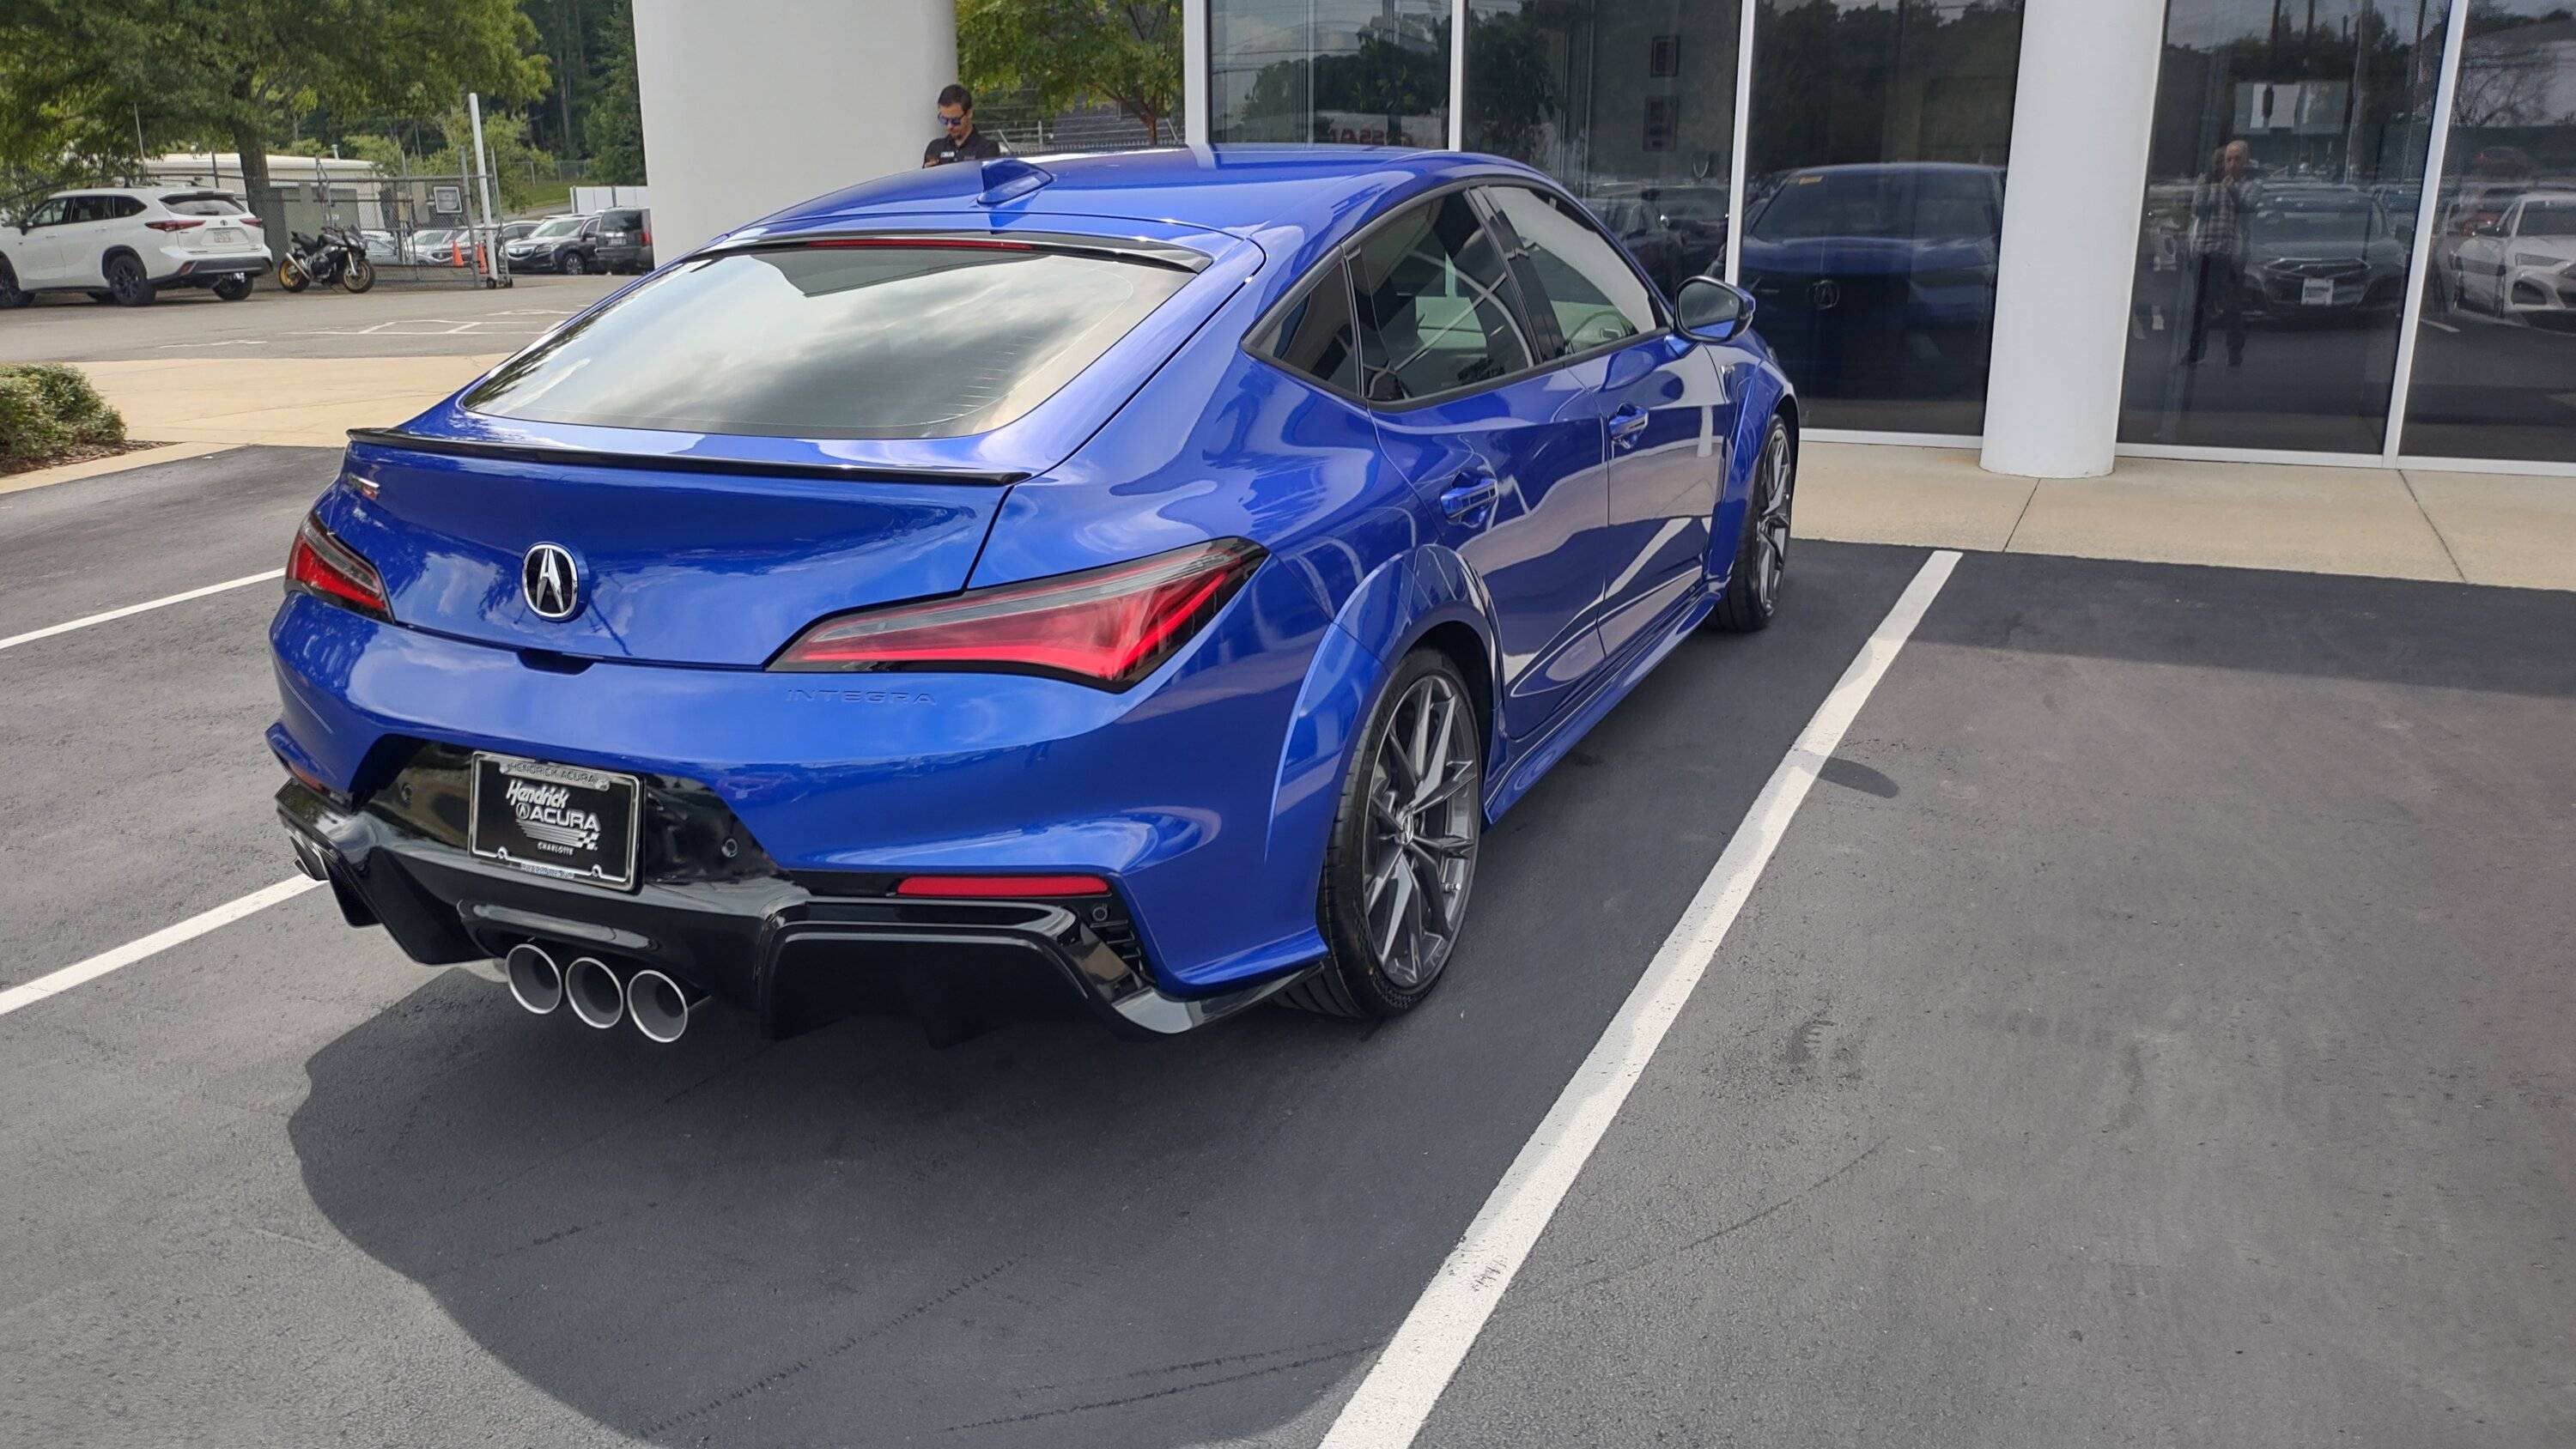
[2285,170]
[1365,72]
[1629,103]
[2495,361]
[1874,204]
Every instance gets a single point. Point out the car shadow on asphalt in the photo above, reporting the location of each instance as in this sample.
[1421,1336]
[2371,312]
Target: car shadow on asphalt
[1041,1236]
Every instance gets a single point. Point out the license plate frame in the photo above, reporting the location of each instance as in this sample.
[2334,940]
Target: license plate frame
[541,829]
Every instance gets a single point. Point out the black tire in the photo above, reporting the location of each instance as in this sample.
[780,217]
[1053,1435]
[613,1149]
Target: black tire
[1384,859]
[127,285]
[233,289]
[1752,594]
[573,265]
[12,296]
[357,275]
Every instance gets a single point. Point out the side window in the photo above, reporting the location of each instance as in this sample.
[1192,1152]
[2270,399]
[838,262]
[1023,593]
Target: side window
[1317,335]
[129,206]
[78,209]
[1434,305]
[49,214]
[1597,298]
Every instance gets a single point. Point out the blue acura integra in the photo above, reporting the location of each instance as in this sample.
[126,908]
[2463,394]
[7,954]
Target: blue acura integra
[1120,583]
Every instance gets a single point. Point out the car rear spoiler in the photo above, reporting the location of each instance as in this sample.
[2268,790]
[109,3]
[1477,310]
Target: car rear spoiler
[668,462]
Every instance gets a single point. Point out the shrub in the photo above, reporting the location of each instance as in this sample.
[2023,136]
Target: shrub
[29,430]
[46,408]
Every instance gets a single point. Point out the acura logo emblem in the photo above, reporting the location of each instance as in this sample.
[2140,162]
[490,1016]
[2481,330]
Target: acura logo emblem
[550,581]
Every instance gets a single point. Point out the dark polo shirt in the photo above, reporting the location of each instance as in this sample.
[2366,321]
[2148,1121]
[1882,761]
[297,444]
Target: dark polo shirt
[978,146]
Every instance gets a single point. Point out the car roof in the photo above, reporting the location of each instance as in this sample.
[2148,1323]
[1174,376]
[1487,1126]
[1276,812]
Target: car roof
[1234,188]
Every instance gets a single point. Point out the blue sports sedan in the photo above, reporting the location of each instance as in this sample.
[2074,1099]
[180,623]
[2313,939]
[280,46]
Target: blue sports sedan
[1123,584]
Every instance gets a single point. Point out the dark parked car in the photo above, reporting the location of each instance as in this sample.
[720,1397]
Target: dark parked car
[621,239]
[2322,253]
[557,245]
[1878,281]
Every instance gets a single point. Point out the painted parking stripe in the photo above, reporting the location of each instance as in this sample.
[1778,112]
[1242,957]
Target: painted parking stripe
[58,982]
[1399,1392]
[130,610]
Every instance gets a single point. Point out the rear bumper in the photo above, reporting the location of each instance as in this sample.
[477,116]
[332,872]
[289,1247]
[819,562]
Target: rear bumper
[179,269]
[790,955]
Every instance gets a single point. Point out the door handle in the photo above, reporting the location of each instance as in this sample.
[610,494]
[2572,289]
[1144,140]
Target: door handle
[1472,494]
[1626,424]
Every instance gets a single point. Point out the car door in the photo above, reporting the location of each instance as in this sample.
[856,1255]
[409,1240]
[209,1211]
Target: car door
[35,253]
[81,242]
[1508,452]
[1661,400]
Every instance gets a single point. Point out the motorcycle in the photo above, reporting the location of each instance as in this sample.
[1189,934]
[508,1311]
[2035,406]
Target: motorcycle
[337,254]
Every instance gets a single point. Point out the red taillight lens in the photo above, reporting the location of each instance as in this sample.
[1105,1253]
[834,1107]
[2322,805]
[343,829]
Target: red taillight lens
[1002,887]
[1105,627]
[330,570]
[176,223]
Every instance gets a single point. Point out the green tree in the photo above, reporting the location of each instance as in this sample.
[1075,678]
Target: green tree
[1073,52]
[614,127]
[185,71]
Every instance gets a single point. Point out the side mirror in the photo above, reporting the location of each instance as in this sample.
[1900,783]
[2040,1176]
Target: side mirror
[1708,310]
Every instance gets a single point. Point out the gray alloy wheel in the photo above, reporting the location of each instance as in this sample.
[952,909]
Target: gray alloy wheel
[1404,846]
[1762,552]
[573,265]
[126,284]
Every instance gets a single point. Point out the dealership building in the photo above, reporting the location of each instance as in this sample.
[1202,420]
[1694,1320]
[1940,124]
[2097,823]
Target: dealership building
[2060,231]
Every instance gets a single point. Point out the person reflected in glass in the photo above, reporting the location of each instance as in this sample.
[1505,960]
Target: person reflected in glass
[2219,210]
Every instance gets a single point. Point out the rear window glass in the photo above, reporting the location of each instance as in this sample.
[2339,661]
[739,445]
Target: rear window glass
[834,342]
[200,204]
[1315,334]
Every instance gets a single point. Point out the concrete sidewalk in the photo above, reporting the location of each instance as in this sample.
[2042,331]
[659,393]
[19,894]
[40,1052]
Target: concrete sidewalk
[2474,528]
[2479,528]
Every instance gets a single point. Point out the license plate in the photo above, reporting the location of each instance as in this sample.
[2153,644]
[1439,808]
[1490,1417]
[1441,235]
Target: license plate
[2317,292]
[556,820]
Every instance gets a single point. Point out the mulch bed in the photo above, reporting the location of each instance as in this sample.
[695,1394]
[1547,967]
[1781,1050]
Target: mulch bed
[81,454]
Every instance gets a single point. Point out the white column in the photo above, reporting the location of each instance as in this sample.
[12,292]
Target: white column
[2078,182]
[1197,127]
[753,105]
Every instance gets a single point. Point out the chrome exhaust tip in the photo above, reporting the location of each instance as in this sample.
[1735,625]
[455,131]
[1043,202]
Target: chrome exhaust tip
[535,981]
[308,860]
[661,1006]
[593,991]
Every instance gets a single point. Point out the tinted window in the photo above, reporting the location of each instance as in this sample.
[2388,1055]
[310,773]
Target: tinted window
[1435,314]
[1316,335]
[2270,274]
[198,203]
[835,342]
[560,226]
[1374,72]
[129,206]
[85,208]
[2495,352]
[1593,293]
[49,214]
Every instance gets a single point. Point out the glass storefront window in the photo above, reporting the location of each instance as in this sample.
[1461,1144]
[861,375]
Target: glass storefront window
[1874,203]
[1366,72]
[2283,178]
[1629,103]
[2495,360]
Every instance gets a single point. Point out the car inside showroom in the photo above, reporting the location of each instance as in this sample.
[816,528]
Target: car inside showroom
[2300,293]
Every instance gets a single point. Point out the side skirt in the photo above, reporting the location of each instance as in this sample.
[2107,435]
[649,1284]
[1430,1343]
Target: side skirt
[1608,688]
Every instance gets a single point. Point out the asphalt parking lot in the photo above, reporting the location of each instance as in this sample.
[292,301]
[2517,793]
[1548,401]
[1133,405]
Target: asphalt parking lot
[2153,1028]
[397,319]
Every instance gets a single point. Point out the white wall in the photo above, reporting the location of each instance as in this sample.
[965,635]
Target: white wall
[752,105]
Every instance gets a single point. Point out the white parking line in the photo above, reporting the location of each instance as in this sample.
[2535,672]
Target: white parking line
[111,615]
[1400,1391]
[58,982]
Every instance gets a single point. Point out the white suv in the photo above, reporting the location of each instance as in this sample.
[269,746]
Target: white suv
[124,245]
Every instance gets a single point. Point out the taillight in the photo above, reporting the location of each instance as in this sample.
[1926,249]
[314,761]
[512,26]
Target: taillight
[177,223]
[331,571]
[648,236]
[1105,627]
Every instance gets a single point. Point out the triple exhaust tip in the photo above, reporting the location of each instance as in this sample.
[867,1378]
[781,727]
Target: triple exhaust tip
[659,1005]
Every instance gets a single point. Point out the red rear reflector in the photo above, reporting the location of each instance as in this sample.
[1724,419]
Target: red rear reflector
[176,224]
[1015,887]
[330,570]
[1106,627]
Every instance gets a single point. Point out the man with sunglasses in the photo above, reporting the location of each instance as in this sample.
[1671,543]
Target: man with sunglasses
[958,138]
